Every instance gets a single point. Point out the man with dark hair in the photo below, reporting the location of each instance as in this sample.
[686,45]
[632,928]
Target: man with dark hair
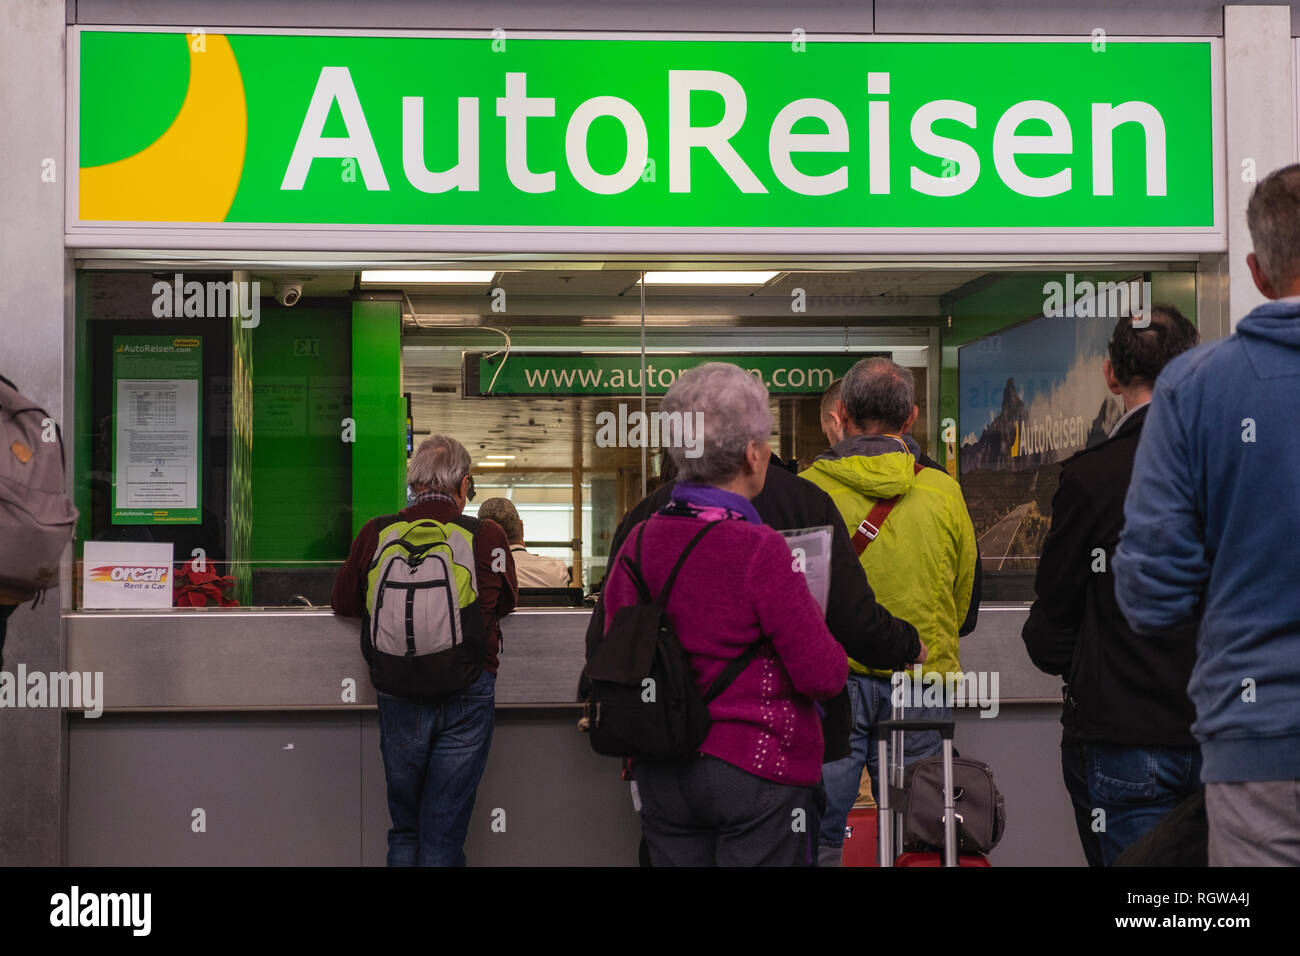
[831,422]
[920,562]
[1212,519]
[1127,752]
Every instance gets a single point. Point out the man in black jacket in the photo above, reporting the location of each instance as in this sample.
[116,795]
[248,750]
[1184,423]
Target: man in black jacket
[868,632]
[1127,752]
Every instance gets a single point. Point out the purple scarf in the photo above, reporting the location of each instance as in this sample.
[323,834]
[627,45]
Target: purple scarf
[708,503]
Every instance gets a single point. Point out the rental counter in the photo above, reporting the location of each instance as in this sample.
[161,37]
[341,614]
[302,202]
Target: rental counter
[252,738]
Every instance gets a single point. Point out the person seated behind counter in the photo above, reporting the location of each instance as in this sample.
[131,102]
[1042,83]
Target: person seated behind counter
[732,802]
[532,570]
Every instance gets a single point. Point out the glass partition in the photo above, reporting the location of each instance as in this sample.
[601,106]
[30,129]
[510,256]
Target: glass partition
[245,424]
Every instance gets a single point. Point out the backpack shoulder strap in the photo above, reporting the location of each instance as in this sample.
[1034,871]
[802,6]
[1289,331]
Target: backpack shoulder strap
[690,546]
[731,671]
[633,568]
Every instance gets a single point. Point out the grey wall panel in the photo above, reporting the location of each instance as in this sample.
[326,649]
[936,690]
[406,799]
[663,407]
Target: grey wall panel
[33,279]
[665,15]
[1067,18]
[948,17]
[1022,745]
[275,790]
[561,804]
[136,779]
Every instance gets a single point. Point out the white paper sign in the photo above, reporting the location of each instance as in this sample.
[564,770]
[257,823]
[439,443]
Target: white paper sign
[126,574]
[157,443]
[811,549]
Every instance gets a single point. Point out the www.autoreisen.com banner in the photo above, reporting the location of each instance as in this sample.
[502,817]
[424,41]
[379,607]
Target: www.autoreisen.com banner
[624,133]
[551,374]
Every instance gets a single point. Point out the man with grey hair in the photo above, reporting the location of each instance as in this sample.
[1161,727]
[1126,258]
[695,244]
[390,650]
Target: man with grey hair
[436,710]
[533,570]
[1210,517]
[920,562]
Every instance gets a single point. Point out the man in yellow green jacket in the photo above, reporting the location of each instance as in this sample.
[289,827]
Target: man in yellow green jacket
[921,563]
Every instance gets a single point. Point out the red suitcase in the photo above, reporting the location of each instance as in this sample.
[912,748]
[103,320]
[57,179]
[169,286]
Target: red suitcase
[860,838]
[890,755]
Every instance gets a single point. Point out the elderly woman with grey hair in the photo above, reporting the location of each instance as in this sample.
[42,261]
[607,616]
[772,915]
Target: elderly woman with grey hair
[732,802]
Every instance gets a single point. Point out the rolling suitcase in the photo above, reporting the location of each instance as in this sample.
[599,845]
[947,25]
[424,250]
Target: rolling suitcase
[890,756]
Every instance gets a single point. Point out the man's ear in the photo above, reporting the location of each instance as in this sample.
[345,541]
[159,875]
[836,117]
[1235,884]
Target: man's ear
[1261,280]
[1108,370]
[911,419]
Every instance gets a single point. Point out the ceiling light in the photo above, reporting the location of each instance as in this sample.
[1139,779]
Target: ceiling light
[502,457]
[417,276]
[491,464]
[709,278]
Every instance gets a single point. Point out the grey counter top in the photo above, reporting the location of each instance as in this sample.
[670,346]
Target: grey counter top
[293,659]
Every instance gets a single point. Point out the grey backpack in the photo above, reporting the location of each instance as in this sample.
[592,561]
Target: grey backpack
[36,518]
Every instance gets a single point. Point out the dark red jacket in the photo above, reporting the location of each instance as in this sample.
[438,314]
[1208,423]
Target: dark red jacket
[497,591]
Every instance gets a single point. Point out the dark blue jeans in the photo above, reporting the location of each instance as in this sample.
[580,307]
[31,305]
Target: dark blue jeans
[434,756]
[1136,786]
[870,697]
[1074,769]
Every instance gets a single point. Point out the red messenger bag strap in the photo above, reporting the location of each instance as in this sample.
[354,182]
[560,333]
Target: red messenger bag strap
[866,532]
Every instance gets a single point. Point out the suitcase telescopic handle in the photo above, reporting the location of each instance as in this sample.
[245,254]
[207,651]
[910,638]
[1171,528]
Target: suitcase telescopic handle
[946,728]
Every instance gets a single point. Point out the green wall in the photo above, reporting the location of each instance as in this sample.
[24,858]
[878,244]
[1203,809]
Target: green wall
[301,467]
[379,411]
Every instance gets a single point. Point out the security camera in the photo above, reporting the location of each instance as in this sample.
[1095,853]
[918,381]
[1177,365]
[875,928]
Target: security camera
[288,292]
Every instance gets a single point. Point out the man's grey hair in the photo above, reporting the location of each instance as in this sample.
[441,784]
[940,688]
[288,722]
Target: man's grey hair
[878,392]
[734,412]
[439,464]
[1273,217]
[502,511]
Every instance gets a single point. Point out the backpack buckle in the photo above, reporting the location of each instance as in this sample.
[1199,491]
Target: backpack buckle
[868,530]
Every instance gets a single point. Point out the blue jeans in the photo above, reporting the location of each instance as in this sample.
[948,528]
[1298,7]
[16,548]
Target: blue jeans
[1136,786]
[434,756]
[869,697]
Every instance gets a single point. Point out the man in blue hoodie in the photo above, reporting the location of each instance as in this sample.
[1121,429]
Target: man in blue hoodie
[1212,519]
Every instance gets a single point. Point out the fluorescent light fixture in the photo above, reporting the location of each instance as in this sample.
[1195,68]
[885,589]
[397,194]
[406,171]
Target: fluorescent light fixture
[502,457]
[491,464]
[708,278]
[461,276]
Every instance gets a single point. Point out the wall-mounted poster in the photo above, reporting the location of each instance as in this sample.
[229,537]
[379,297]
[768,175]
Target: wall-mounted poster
[1031,397]
[157,438]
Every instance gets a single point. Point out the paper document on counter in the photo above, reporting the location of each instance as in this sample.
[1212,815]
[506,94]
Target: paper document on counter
[811,549]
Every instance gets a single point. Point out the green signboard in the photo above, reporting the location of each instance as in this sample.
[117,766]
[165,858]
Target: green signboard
[624,133]
[551,373]
[157,429]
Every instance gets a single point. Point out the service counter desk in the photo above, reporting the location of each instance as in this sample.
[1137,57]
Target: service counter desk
[251,737]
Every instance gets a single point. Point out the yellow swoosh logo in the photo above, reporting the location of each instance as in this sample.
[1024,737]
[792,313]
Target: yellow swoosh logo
[191,172]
